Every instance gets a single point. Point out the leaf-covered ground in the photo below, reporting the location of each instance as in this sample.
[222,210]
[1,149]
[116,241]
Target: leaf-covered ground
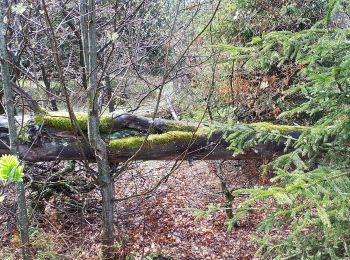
[158,223]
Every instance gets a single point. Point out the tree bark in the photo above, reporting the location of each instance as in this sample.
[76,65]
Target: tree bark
[225,190]
[98,145]
[109,94]
[10,111]
[70,23]
[169,140]
[47,84]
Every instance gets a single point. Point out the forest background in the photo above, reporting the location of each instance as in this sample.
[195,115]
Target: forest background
[279,69]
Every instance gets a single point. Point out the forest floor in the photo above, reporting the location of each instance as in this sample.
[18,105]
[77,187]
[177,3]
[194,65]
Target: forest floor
[157,224]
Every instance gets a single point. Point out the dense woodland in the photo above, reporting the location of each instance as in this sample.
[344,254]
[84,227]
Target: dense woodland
[184,129]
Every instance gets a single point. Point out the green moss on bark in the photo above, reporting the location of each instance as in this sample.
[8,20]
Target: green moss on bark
[62,121]
[180,126]
[281,128]
[152,140]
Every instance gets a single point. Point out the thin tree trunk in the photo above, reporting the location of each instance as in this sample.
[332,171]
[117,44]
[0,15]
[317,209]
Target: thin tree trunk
[88,28]
[171,107]
[70,23]
[109,94]
[51,97]
[10,111]
[225,190]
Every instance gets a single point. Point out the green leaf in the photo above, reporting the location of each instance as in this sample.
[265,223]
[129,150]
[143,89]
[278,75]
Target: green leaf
[10,169]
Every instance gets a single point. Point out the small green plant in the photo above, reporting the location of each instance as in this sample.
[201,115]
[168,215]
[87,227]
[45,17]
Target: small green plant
[10,169]
[200,214]
[43,244]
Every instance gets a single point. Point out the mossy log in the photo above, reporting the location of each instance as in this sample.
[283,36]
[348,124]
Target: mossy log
[114,122]
[50,137]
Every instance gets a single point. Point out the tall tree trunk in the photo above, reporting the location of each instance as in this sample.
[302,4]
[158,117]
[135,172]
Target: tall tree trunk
[88,32]
[10,111]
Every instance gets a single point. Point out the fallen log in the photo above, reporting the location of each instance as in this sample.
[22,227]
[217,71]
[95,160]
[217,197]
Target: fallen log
[50,137]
